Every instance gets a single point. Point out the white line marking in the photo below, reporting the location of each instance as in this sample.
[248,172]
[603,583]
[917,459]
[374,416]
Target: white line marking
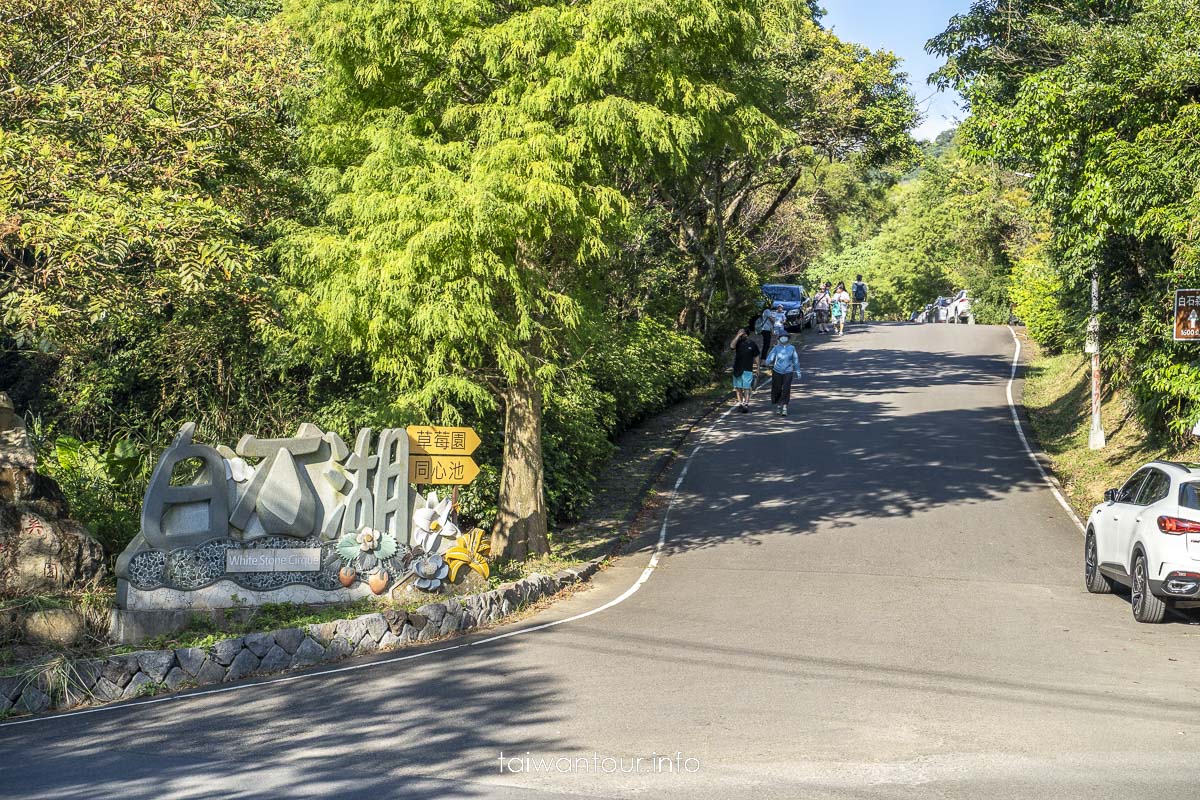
[1012,407]
[645,576]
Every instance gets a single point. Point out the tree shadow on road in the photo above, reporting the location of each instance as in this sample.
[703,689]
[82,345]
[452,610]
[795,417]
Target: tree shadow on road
[411,729]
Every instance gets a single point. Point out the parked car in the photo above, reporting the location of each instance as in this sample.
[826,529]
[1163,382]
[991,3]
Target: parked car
[959,309]
[926,314]
[797,305]
[916,316]
[1146,535]
[939,311]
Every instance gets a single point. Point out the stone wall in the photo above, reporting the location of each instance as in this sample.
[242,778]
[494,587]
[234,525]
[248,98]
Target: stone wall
[132,675]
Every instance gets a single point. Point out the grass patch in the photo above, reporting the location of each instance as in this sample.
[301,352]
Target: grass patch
[1058,400]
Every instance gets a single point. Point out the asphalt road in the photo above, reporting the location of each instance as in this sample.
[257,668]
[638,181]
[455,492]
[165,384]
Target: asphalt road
[876,597]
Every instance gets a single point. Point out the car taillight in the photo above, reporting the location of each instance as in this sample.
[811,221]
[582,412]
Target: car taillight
[1175,526]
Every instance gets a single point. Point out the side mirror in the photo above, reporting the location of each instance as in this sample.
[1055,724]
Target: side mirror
[1110,495]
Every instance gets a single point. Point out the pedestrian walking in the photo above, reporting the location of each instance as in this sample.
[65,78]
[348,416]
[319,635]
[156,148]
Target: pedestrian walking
[784,362]
[770,324]
[841,306]
[745,358]
[821,304]
[859,290]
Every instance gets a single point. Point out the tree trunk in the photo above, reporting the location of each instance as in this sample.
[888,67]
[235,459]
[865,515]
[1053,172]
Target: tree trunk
[520,529]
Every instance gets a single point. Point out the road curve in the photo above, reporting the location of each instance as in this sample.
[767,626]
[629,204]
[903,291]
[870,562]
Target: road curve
[876,597]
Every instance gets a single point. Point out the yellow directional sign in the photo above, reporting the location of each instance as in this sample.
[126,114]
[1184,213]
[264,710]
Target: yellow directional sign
[441,470]
[436,440]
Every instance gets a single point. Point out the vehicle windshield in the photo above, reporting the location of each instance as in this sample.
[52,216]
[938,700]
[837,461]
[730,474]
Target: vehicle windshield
[786,294]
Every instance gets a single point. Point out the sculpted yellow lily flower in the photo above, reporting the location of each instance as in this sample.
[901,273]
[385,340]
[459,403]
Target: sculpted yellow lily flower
[470,549]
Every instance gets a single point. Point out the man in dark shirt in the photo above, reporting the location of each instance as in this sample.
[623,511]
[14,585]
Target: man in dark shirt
[745,357]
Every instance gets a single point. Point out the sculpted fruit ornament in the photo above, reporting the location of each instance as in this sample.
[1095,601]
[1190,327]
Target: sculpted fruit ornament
[347,576]
[378,581]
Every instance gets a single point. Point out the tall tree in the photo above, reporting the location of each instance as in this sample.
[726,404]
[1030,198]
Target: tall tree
[472,157]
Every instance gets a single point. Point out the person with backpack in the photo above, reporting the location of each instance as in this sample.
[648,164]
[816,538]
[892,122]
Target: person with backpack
[859,290]
[784,362]
[770,324]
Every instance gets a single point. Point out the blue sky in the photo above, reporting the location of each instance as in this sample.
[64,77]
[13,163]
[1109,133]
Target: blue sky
[903,27]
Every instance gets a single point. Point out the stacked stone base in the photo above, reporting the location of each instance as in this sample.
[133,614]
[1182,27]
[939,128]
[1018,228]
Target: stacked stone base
[149,672]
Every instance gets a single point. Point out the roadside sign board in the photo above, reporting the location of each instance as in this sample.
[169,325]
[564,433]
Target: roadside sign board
[442,470]
[438,440]
[1187,315]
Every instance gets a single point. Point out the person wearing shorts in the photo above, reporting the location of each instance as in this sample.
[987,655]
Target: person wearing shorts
[745,356]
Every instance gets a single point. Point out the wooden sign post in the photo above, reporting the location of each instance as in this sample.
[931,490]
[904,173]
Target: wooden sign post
[440,455]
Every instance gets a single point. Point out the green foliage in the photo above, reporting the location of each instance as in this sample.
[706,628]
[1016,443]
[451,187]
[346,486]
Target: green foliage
[952,225]
[141,153]
[1037,298]
[1098,101]
[103,483]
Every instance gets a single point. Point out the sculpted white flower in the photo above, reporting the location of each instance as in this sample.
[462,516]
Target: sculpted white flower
[368,540]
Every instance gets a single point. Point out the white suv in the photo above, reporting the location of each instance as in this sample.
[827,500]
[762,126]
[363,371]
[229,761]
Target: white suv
[960,309]
[1146,535]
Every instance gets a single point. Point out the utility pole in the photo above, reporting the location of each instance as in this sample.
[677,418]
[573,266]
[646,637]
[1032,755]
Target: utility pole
[1096,434]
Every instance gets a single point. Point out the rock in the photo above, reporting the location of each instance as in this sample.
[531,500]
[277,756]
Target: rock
[352,630]
[275,660]
[33,700]
[5,705]
[211,672]
[140,685]
[566,577]
[226,650]
[395,620]
[434,612]
[10,688]
[322,633]
[430,631]
[84,674]
[289,639]
[366,646]
[416,620]
[308,653]
[191,659]
[260,643]
[389,640]
[119,669]
[17,459]
[506,608]
[449,624]
[106,691]
[376,625]
[54,627]
[243,664]
[156,663]
[339,648]
[467,622]
[44,555]
[409,634]
[175,679]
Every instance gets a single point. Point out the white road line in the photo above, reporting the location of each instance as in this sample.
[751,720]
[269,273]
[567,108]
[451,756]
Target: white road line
[1012,407]
[645,576]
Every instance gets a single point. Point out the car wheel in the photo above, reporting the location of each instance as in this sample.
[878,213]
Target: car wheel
[1093,578]
[1146,607]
